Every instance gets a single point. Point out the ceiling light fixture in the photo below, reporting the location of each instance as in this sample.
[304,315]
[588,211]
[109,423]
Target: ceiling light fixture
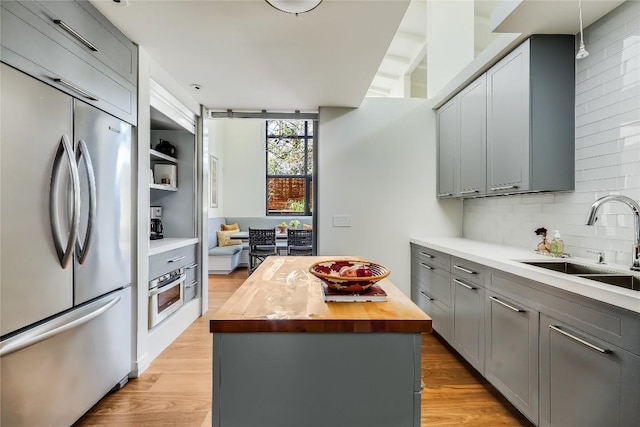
[294,6]
[582,52]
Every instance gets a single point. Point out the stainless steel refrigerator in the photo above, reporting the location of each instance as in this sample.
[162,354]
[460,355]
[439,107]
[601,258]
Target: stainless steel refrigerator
[65,253]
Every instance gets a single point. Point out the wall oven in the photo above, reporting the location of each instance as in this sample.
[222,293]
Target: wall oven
[166,295]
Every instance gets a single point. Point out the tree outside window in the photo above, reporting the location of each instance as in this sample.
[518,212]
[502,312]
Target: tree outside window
[289,167]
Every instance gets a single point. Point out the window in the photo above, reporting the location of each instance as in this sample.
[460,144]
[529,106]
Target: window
[289,167]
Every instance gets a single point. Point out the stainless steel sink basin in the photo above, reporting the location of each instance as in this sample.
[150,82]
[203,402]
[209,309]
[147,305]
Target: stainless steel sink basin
[621,280]
[568,267]
[602,275]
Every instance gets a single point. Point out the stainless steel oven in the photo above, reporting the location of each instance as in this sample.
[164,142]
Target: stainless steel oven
[166,295]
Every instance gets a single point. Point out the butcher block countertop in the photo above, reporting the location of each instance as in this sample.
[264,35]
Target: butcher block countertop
[282,296]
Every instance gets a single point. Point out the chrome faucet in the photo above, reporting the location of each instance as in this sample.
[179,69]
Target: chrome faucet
[591,219]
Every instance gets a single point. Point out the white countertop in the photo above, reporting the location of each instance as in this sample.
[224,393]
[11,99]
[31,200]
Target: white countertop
[170,243]
[507,259]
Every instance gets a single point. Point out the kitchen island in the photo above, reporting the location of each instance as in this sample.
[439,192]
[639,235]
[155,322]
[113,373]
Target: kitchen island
[282,357]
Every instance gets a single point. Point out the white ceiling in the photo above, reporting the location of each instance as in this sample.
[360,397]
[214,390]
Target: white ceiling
[246,55]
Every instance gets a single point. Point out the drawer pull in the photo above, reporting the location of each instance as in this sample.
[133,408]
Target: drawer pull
[580,340]
[509,306]
[465,270]
[445,194]
[76,88]
[178,258]
[504,187]
[461,283]
[426,254]
[191,267]
[191,285]
[428,267]
[426,296]
[75,34]
[469,191]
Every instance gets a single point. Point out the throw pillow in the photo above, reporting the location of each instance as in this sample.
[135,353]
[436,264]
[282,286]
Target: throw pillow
[224,238]
[307,227]
[226,227]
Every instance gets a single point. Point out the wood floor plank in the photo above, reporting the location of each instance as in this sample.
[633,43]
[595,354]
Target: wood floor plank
[176,389]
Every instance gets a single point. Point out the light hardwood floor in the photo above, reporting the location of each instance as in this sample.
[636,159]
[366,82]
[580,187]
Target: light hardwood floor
[176,389]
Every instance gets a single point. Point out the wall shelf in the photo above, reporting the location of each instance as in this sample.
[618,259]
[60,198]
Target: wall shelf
[163,187]
[156,155]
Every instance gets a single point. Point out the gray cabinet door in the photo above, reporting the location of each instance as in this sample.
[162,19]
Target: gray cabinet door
[508,121]
[584,381]
[511,352]
[448,137]
[467,335]
[473,142]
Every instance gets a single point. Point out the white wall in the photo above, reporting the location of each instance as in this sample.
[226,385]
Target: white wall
[607,154]
[450,40]
[377,165]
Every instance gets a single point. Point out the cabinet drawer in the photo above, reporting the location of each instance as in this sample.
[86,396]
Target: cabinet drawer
[431,256]
[168,261]
[469,271]
[34,43]
[192,273]
[190,290]
[435,281]
[439,313]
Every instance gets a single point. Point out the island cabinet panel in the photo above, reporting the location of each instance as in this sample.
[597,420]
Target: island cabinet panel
[511,351]
[585,381]
[316,380]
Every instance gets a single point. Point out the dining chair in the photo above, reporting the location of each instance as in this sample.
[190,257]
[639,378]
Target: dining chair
[299,242]
[262,243]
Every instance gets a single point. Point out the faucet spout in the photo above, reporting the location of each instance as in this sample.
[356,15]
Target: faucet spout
[635,208]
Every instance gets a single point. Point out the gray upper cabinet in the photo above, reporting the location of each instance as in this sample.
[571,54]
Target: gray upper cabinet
[530,117]
[472,171]
[448,142]
[71,46]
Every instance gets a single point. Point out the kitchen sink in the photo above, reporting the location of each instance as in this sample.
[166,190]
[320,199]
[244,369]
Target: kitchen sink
[621,280]
[601,275]
[568,267]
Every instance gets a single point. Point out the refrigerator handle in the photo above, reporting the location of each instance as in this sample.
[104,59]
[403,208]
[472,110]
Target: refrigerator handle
[82,250]
[54,328]
[64,254]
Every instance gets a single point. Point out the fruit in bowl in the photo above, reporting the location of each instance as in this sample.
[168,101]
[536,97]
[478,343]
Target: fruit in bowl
[349,275]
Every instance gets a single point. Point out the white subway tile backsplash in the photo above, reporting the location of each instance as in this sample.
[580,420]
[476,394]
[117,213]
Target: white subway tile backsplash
[607,155]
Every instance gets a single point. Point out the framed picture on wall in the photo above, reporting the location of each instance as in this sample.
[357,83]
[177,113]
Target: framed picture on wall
[213,185]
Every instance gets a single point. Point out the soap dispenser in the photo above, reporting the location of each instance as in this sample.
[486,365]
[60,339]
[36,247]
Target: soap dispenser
[557,245]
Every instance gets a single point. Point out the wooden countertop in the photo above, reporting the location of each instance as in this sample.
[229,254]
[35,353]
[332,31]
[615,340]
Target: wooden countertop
[282,296]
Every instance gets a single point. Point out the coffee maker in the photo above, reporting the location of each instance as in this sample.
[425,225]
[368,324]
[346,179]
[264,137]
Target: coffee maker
[156,223]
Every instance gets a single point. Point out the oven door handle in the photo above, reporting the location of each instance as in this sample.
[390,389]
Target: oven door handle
[172,284]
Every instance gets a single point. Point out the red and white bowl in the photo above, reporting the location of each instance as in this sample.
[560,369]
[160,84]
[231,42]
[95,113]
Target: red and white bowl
[329,272]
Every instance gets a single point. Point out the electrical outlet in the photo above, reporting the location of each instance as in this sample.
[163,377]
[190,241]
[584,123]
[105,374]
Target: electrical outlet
[342,220]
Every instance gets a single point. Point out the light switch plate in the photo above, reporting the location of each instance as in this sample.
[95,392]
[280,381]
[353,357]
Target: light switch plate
[342,220]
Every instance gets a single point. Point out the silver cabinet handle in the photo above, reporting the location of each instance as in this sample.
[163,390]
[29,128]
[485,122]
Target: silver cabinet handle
[504,187]
[428,267]
[53,328]
[445,195]
[78,89]
[580,340]
[64,254]
[191,267]
[191,285]
[465,270]
[426,296]
[509,306]
[176,259]
[461,283]
[172,284]
[426,254]
[83,152]
[469,191]
[75,34]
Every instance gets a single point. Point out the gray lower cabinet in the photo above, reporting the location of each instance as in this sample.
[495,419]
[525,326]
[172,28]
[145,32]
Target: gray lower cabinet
[467,334]
[191,282]
[70,45]
[584,381]
[511,351]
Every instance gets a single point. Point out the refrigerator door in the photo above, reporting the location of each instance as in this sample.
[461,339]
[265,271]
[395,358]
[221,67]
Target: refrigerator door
[34,119]
[103,252]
